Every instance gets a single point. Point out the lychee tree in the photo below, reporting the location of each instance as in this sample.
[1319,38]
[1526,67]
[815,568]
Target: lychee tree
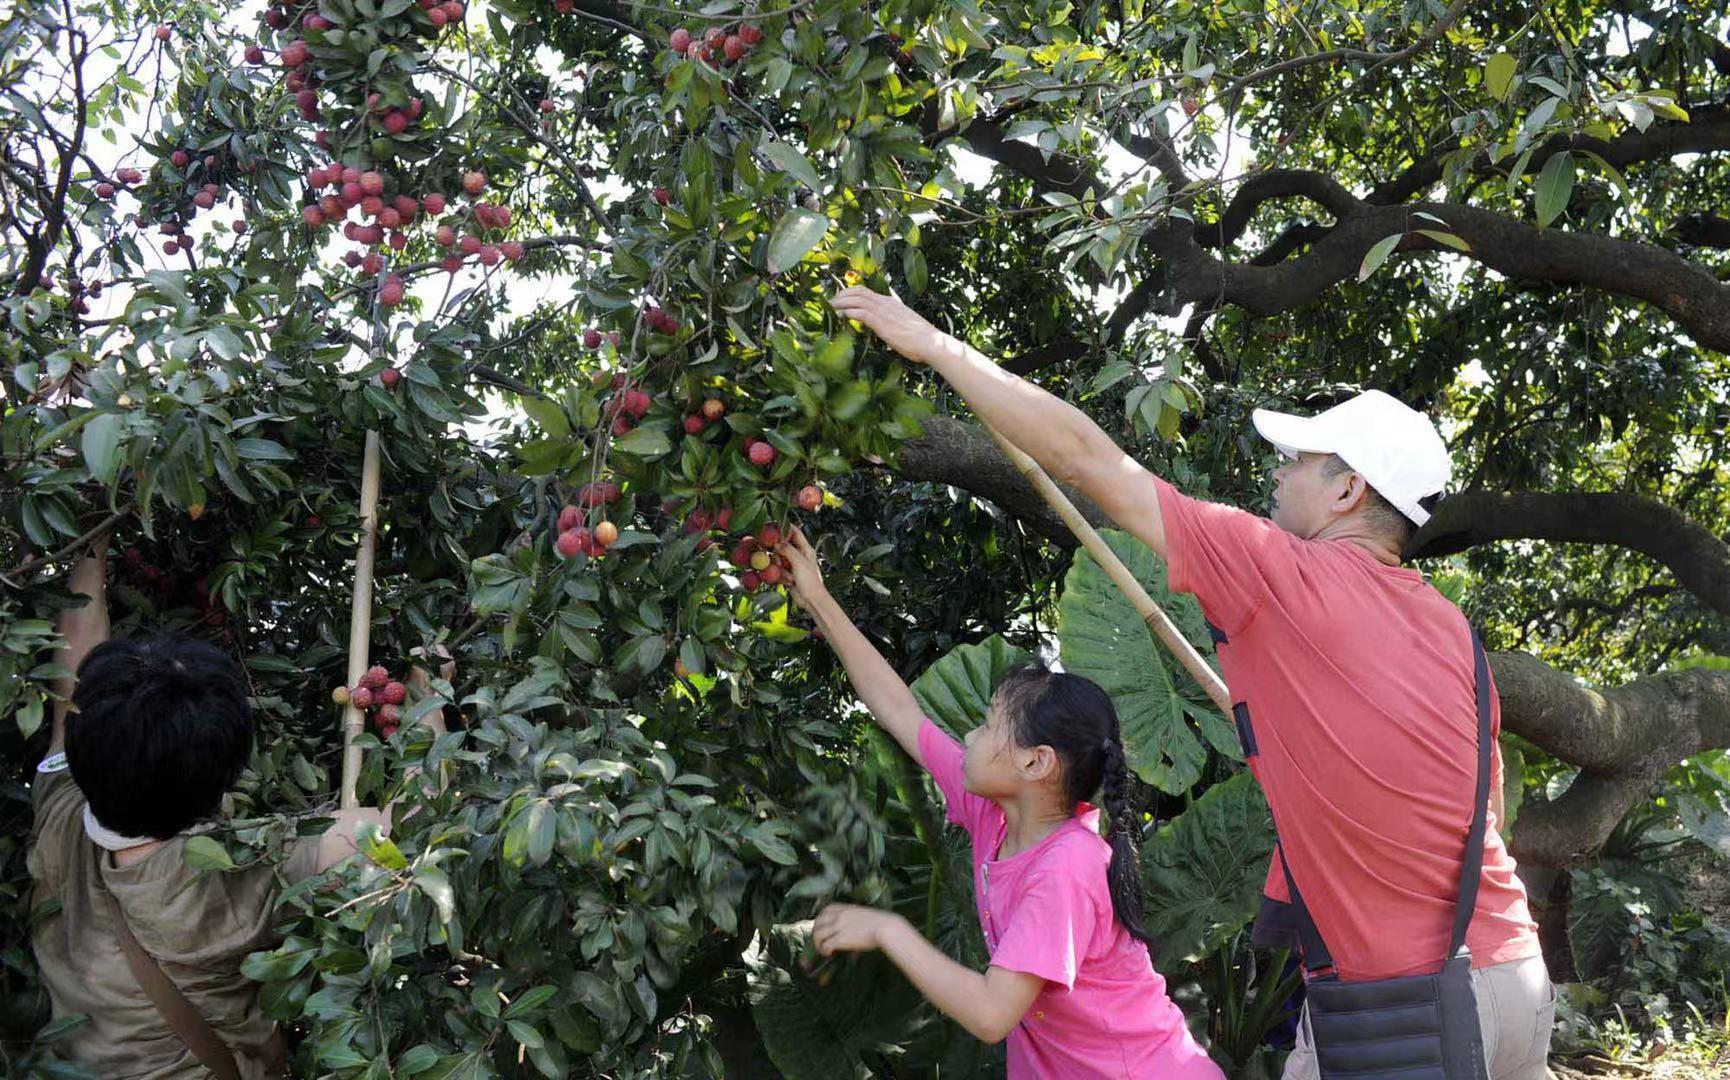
[570,262]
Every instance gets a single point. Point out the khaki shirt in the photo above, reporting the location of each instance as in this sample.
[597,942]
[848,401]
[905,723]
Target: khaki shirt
[198,929]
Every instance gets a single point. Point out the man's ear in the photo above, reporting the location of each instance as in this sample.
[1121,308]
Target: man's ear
[1354,494]
[1039,763]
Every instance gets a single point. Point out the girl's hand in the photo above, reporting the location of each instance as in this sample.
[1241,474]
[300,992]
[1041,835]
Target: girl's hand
[850,928]
[807,584]
[903,329]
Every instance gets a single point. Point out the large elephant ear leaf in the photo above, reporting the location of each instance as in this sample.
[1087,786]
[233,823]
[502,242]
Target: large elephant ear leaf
[955,692]
[1205,868]
[821,1024]
[1106,640]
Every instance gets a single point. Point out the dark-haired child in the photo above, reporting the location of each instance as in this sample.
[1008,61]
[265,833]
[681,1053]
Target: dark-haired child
[1070,983]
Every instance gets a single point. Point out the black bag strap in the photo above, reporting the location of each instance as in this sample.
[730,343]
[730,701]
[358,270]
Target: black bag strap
[1316,956]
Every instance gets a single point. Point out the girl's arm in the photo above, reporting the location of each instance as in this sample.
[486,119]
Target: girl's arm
[891,703]
[988,1005]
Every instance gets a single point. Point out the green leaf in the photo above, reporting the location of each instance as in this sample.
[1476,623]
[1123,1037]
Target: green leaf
[102,446]
[795,234]
[205,853]
[645,442]
[955,692]
[432,881]
[823,1032]
[1555,185]
[417,1059]
[262,450]
[1499,75]
[1104,639]
[1378,254]
[847,401]
[794,164]
[1204,870]
[1447,238]
[529,1000]
[549,416]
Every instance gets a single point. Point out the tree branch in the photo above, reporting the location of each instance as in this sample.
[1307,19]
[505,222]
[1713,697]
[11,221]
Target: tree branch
[1624,739]
[1699,559]
[963,455]
[1704,230]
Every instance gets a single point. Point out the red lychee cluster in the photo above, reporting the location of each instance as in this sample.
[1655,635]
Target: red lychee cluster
[377,693]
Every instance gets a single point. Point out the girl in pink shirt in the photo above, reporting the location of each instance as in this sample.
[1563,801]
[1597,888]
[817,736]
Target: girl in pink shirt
[1070,983]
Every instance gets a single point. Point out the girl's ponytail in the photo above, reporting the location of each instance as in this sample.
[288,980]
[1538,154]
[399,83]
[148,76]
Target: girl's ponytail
[1124,875]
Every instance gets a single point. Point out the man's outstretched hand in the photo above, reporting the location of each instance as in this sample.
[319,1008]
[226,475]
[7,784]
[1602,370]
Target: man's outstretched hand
[902,328]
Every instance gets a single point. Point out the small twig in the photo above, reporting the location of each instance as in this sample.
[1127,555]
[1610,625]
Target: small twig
[101,527]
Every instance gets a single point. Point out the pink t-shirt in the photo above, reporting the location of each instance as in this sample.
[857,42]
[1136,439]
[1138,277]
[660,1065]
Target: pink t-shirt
[1356,700]
[1047,911]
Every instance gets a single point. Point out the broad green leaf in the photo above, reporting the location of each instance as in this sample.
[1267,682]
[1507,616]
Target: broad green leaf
[1378,254]
[813,1031]
[1105,640]
[795,234]
[1204,870]
[102,446]
[549,416]
[1499,75]
[955,692]
[432,881]
[1555,185]
[644,442]
[206,853]
[793,163]
[1447,238]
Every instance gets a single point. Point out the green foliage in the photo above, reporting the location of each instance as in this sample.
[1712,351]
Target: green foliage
[1157,700]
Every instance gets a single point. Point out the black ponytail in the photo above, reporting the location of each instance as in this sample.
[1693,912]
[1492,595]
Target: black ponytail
[1074,717]
[1124,874]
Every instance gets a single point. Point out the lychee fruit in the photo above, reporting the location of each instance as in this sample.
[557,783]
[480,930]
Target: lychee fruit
[714,409]
[663,196]
[569,518]
[376,676]
[474,181]
[389,376]
[694,424]
[340,695]
[751,33]
[679,39]
[605,533]
[762,454]
[360,697]
[571,543]
[394,693]
[591,339]
[434,202]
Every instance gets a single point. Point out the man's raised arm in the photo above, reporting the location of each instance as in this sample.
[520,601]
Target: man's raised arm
[1060,437]
[81,628]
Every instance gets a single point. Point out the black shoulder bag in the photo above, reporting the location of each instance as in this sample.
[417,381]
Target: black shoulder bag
[1415,1027]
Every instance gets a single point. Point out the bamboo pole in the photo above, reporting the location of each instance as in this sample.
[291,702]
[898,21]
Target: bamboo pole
[1157,621]
[360,618]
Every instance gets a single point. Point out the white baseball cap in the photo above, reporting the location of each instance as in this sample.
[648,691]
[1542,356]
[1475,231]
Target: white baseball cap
[1392,446]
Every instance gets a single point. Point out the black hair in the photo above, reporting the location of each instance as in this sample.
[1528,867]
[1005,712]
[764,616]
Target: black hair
[1074,717]
[160,730]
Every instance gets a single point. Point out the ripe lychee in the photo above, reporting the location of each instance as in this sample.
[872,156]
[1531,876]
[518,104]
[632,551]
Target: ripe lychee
[434,202]
[376,676]
[751,33]
[254,54]
[679,39]
[105,190]
[762,454]
[360,697]
[390,294]
[474,181]
[389,376]
[770,535]
[714,409]
[513,249]
[164,32]
[394,693]
[569,518]
[312,215]
[663,196]
[694,424]
[180,158]
[591,339]
[750,580]
[571,543]
[734,47]
[810,497]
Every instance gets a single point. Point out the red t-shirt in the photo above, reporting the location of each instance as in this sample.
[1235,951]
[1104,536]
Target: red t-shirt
[1358,680]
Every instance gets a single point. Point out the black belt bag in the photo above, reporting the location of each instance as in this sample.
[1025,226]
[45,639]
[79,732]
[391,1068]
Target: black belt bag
[1417,1027]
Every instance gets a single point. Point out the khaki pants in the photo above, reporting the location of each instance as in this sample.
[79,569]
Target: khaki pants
[1516,1008]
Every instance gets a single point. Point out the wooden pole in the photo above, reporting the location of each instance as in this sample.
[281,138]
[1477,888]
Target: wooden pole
[360,618]
[1157,620]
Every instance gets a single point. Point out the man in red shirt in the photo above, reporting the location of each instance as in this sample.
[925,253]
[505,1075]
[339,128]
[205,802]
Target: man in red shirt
[1353,678]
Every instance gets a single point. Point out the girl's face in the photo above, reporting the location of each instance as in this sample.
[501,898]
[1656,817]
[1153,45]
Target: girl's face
[995,767]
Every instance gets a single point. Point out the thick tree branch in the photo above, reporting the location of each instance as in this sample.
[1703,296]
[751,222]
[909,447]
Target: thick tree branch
[961,454]
[1704,230]
[1274,184]
[1707,130]
[1700,560]
[1623,739]
[1687,292]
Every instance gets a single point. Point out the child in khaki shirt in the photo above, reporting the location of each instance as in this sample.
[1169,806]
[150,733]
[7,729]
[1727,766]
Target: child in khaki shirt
[157,731]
